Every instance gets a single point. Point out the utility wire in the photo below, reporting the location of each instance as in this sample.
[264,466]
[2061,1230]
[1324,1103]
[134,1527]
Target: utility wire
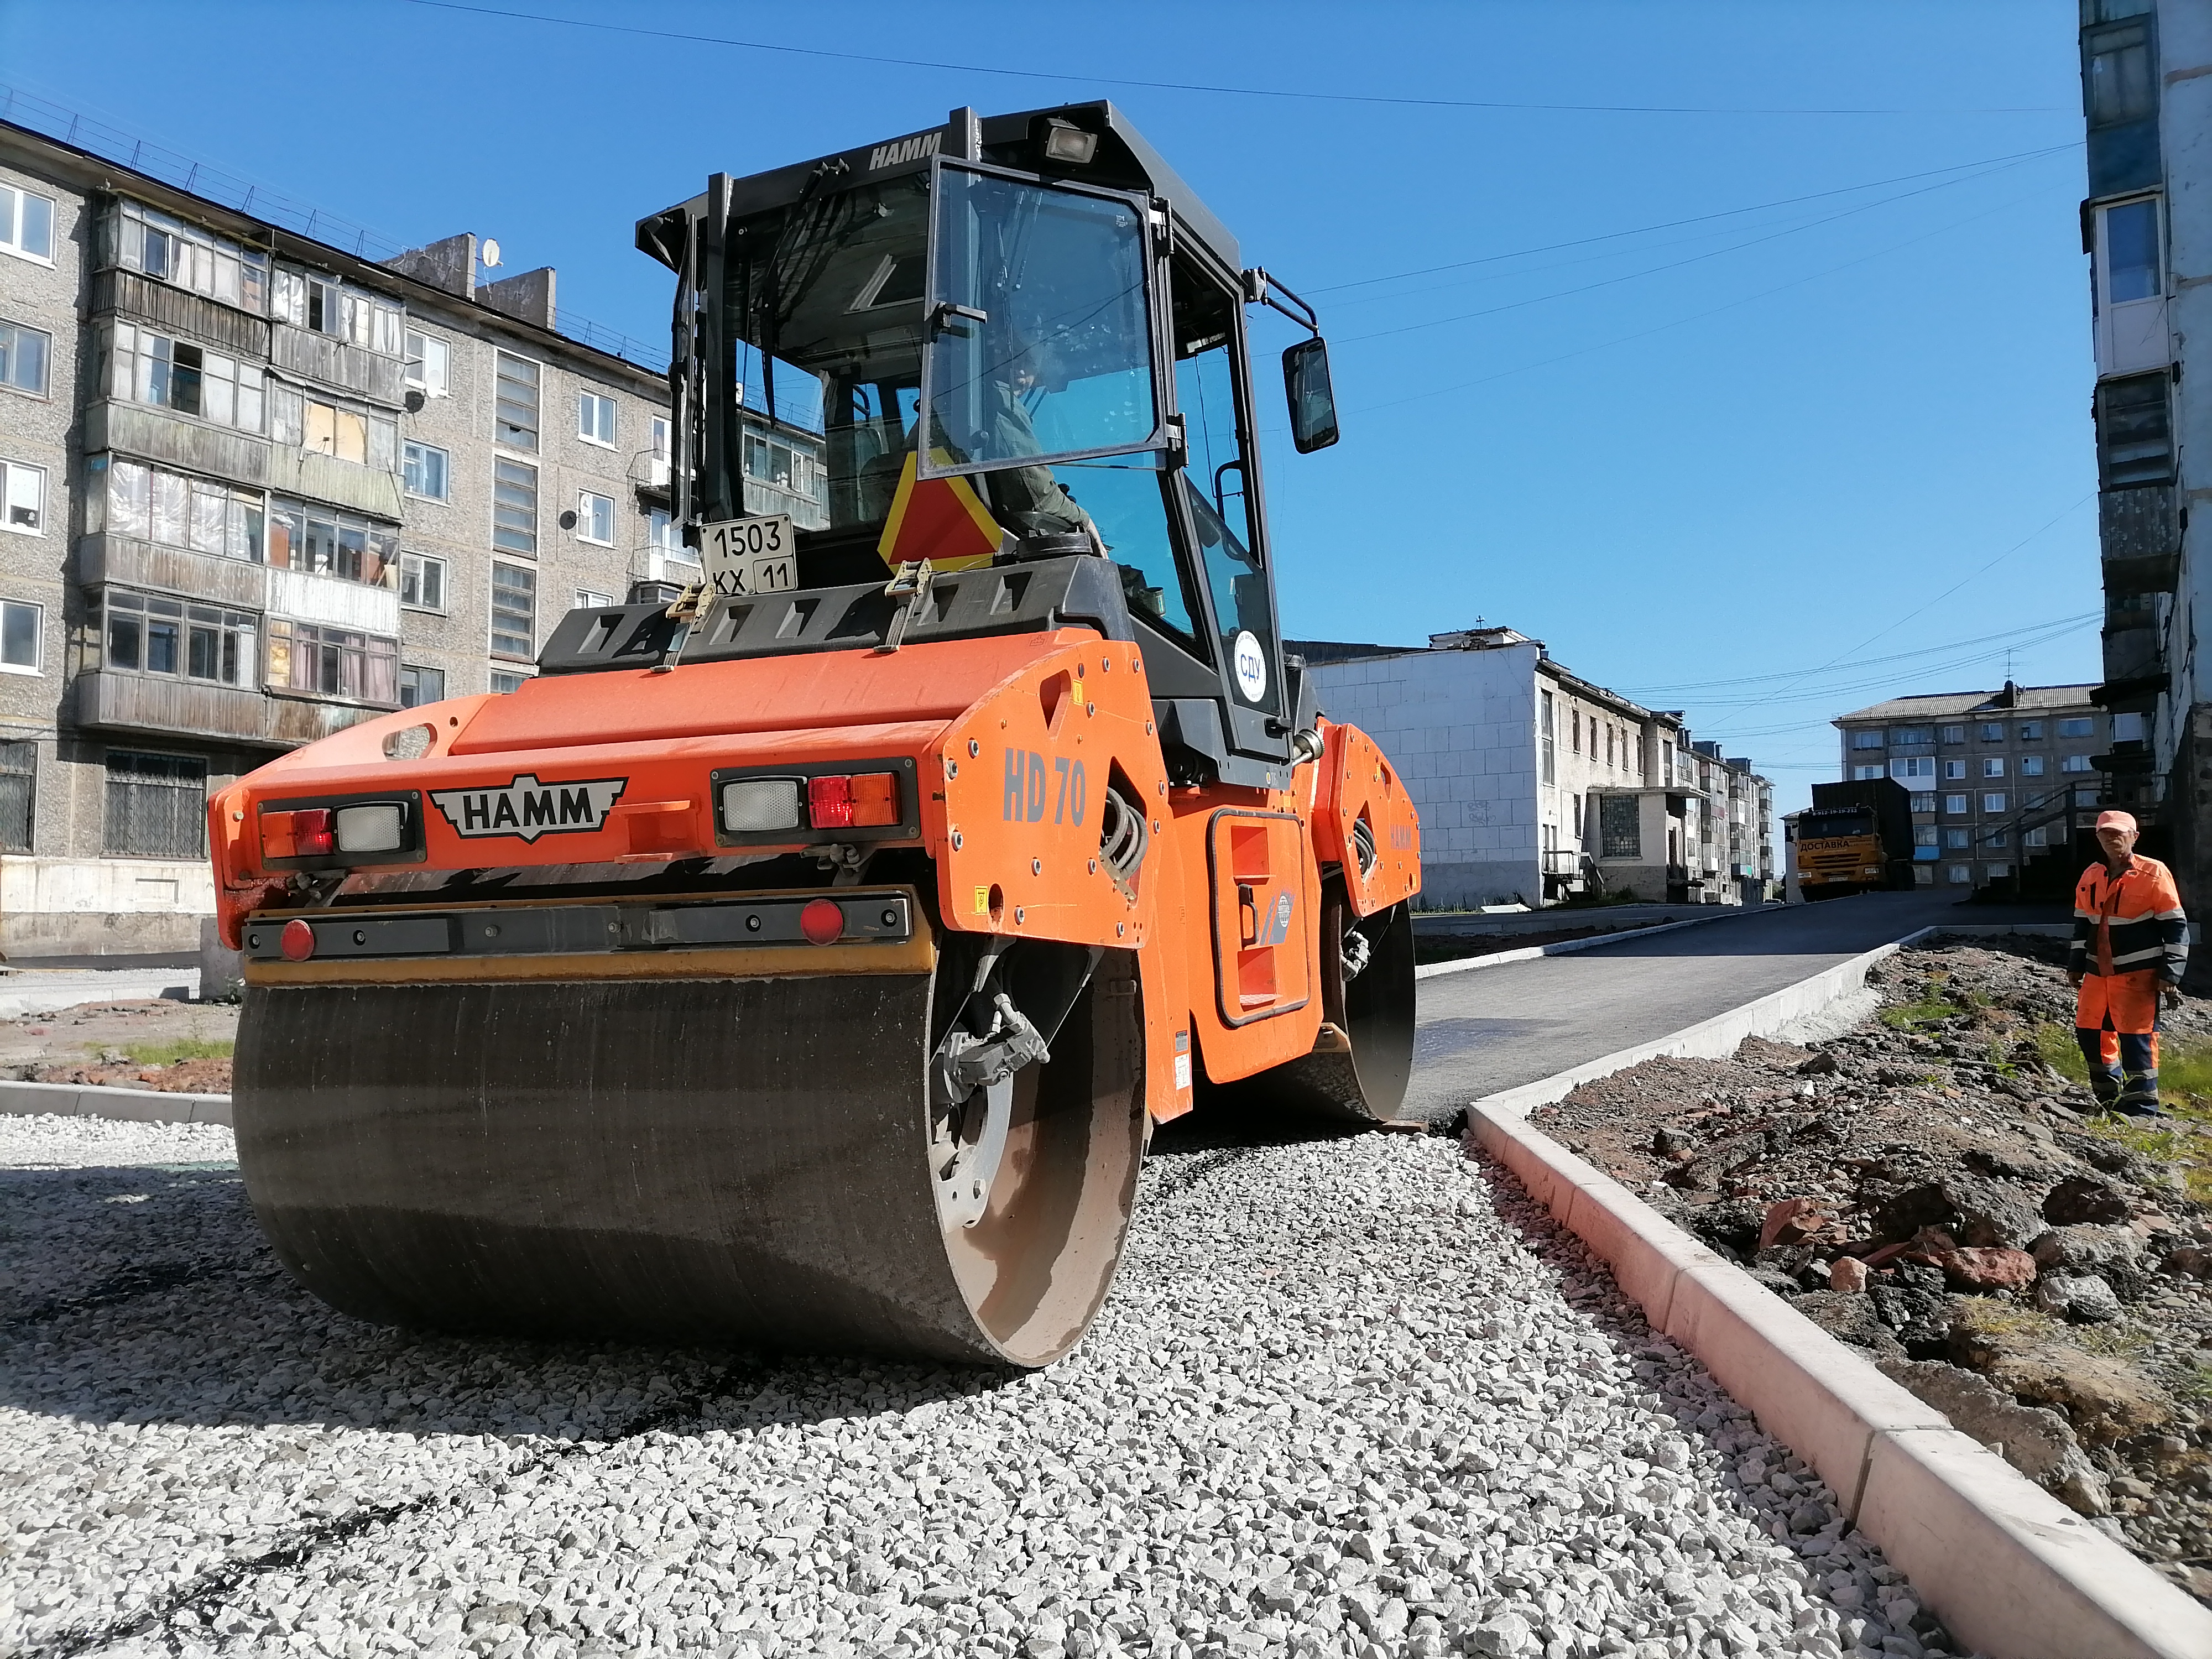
[2061,624]
[1695,219]
[1064,77]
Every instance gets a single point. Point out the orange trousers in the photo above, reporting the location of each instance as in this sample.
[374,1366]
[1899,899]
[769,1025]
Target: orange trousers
[2116,1023]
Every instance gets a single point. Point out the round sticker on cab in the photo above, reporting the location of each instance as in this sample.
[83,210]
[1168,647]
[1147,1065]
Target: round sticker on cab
[1251,663]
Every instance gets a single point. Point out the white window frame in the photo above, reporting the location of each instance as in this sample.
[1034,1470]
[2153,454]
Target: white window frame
[419,561]
[1962,874]
[2088,723]
[591,405]
[45,393]
[588,501]
[1993,766]
[1953,770]
[1863,774]
[491,612]
[11,224]
[1994,800]
[1955,803]
[8,471]
[37,667]
[444,455]
[2075,763]
[516,675]
[536,447]
[587,600]
[414,371]
[2031,766]
[505,458]
[1908,767]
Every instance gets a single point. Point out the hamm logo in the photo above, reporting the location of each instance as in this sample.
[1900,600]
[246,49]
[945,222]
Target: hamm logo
[905,150]
[530,809]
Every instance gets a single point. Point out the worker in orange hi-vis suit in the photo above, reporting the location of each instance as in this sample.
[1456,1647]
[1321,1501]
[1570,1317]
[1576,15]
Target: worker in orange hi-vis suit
[2130,945]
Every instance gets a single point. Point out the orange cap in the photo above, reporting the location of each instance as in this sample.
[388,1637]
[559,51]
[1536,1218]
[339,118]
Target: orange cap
[2116,820]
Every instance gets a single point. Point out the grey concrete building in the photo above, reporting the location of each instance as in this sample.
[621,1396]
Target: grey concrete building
[254,488]
[1999,779]
[1535,786]
[2147,230]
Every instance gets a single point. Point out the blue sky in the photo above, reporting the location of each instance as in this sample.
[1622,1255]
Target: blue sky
[1718,466]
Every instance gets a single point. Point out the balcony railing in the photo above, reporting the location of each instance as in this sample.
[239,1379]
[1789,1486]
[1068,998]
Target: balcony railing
[139,702]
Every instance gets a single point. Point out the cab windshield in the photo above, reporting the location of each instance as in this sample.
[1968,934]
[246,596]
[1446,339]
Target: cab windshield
[1039,348]
[1826,826]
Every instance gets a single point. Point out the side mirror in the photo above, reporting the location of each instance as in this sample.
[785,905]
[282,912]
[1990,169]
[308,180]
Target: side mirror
[1313,402]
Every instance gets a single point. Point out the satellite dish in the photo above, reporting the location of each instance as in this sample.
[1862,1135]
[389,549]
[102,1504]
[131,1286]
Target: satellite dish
[490,251]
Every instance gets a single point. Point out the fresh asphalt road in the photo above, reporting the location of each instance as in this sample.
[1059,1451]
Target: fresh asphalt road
[1486,1029]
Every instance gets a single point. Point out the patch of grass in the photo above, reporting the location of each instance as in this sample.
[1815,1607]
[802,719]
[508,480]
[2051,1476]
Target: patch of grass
[2015,1321]
[2056,1047]
[168,1053]
[2195,1384]
[1931,1010]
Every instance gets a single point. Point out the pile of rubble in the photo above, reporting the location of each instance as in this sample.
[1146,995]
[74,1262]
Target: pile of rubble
[1933,1189]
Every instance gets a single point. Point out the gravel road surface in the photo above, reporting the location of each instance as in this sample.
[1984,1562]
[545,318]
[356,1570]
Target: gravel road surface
[1350,1397]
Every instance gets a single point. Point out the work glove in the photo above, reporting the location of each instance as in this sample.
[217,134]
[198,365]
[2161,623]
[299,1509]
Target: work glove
[2169,995]
[2074,978]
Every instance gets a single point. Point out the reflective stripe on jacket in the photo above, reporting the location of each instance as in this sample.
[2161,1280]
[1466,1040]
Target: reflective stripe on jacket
[2141,908]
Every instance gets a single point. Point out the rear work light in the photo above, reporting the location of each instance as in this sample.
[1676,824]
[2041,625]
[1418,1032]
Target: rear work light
[379,827]
[751,806]
[861,801]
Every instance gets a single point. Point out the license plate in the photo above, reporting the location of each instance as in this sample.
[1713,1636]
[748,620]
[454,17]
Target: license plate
[744,556]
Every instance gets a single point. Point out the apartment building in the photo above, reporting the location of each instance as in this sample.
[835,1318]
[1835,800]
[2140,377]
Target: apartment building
[2147,230]
[1996,776]
[256,489]
[1535,786]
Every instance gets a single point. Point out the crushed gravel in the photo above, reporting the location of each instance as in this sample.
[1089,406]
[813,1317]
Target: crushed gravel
[1353,1397]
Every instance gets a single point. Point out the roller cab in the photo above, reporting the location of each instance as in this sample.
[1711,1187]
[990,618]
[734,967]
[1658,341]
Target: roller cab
[799,960]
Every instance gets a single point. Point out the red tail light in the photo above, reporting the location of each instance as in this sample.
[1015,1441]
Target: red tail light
[311,833]
[829,803]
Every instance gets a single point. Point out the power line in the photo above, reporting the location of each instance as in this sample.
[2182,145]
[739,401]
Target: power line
[1676,265]
[1695,219]
[1062,77]
[2056,624]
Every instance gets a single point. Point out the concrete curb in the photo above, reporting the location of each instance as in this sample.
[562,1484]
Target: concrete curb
[126,1105]
[2011,1572]
[1530,953]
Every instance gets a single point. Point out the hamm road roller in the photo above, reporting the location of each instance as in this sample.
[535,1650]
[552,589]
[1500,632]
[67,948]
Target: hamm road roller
[799,960]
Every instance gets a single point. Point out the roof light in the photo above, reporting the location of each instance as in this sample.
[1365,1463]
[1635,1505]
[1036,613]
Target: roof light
[751,805]
[1068,143]
[823,922]
[377,828]
[829,802]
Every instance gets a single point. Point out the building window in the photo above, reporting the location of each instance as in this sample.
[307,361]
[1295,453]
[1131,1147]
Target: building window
[420,685]
[156,806]
[23,493]
[326,543]
[1620,834]
[2132,266]
[2075,763]
[2037,837]
[1860,773]
[2135,438]
[1954,769]
[2084,726]
[1547,728]
[515,419]
[514,506]
[333,662]
[587,600]
[1994,801]
[422,581]
[171,638]
[19,777]
[2031,766]
[326,306]
[360,436]
[1993,766]
[1912,737]
[1954,804]
[595,418]
[1924,803]
[22,627]
[660,533]
[1959,874]
[783,467]
[147,367]
[1926,835]
[1952,733]
[595,519]
[1955,839]
[187,256]
[1917,766]
[2119,83]
[2031,731]
[424,471]
[23,355]
[429,364]
[1991,731]
[1866,739]
[514,610]
[26,223]
[1997,838]
[503,680]
[176,511]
